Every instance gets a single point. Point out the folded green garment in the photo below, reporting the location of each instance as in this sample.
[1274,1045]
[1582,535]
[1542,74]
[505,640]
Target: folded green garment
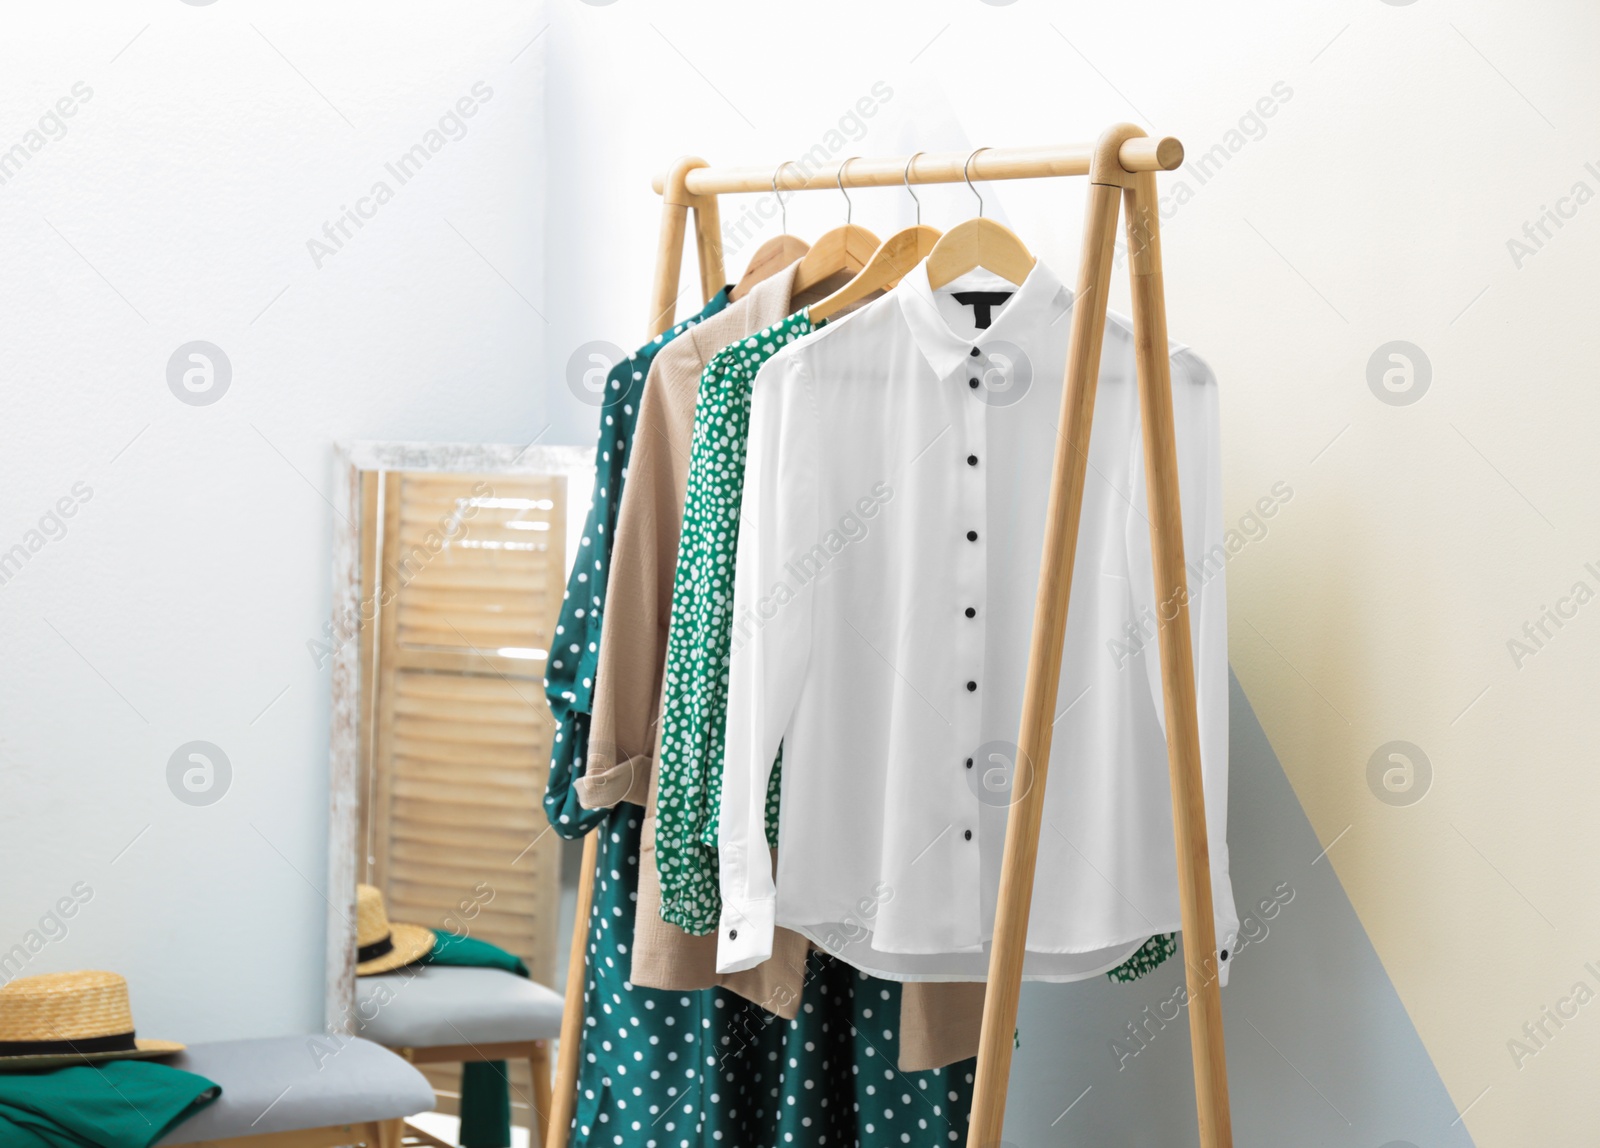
[485,1088]
[469,951]
[113,1104]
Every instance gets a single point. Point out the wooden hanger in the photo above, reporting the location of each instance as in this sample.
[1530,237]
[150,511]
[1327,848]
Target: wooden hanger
[889,263]
[978,243]
[773,255]
[843,249]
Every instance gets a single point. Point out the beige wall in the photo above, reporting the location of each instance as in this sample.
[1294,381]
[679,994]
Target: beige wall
[1423,536]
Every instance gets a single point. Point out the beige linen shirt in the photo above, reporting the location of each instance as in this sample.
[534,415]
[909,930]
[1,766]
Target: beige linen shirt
[939,1023]
[644,554]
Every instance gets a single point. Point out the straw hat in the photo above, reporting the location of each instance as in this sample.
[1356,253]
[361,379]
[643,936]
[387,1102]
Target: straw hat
[383,945]
[68,1018]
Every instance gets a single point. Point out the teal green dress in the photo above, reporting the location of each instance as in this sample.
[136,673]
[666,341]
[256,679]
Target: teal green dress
[709,1069]
[110,1104]
[575,647]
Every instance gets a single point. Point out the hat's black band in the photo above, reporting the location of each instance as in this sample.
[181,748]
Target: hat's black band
[375,950]
[117,1042]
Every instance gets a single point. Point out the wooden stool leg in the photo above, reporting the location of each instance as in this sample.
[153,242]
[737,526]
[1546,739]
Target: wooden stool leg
[385,1133]
[539,1065]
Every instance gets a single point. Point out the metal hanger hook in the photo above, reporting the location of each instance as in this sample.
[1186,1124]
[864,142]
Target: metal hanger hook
[783,205]
[912,194]
[849,207]
[966,175]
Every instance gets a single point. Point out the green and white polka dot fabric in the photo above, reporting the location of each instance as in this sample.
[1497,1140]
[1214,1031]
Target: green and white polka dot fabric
[696,695]
[709,1069]
[575,649]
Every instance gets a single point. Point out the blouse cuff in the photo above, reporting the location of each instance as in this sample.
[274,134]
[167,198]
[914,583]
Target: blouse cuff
[744,935]
[606,782]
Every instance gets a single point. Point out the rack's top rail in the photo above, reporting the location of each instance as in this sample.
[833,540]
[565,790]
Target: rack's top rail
[1141,153]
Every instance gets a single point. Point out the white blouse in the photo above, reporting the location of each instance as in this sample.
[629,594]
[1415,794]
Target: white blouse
[887,566]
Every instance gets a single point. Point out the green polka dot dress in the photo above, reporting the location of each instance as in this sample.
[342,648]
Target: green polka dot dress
[700,635]
[706,1069]
[575,646]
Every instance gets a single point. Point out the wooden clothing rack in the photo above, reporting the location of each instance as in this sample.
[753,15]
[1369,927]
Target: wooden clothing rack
[1121,167]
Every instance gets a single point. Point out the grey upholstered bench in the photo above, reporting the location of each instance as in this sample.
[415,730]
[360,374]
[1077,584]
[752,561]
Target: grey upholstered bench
[449,1014]
[301,1092]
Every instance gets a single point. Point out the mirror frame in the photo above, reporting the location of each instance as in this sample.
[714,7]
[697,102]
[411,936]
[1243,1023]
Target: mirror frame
[353,459]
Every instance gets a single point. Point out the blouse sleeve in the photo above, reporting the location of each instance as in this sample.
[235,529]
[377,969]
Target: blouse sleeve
[1206,542]
[771,645]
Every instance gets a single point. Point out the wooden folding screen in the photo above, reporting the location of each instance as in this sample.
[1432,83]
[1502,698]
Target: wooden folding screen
[469,580]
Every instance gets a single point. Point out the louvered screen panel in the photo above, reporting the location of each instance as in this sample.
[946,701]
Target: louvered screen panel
[472,573]
[493,588]
[468,763]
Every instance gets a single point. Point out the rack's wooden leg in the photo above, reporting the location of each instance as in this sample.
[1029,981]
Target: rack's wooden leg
[565,1095]
[1044,667]
[1177,664]
[669,263]
[708,243]
[539,1065]
[675,204]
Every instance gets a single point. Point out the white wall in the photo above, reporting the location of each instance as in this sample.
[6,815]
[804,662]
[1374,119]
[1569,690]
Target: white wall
[209,144]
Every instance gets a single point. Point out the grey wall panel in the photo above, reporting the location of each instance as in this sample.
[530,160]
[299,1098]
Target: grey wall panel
[1321,1053]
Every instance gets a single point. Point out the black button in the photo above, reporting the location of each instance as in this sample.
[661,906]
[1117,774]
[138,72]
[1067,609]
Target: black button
[1224,954]
[972,536]
[972,460]
[973,383]
[971,686]
[968,835]
[971,613]
[733,934]
[973,352]
[969,763]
